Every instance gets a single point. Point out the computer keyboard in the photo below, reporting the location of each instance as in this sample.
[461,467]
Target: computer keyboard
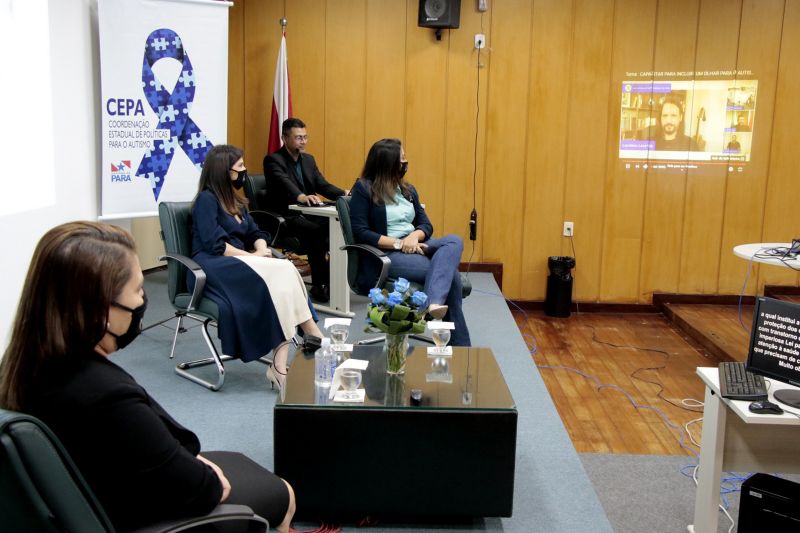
[737,383]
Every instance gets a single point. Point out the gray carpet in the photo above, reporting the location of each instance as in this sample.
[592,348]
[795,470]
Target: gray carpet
[552,492]
[649,492]
[646,492]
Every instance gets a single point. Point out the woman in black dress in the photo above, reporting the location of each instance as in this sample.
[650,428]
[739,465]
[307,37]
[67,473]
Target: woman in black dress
[82,300]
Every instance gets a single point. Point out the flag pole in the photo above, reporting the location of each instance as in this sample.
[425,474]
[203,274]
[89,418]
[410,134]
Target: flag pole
[281,95]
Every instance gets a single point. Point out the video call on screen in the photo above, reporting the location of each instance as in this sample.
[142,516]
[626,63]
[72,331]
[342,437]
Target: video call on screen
[687,123]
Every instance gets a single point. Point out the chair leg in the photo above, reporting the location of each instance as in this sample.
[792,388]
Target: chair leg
[160,322]
[175,337]
[216,359]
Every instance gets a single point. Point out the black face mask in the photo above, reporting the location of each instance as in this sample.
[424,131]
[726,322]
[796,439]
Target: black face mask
[238,183]
[135,326]
[403,168]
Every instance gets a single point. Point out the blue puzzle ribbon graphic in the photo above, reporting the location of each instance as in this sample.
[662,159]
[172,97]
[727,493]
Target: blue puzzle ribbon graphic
[172,110]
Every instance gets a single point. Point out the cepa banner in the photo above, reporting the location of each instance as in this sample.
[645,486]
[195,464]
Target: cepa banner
[164,79]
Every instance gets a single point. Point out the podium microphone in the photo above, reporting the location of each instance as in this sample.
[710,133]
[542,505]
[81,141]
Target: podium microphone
[473,225]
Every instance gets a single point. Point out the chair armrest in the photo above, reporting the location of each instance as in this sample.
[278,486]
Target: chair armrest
[199,276]
[221,513]
[270,222]
[377,254]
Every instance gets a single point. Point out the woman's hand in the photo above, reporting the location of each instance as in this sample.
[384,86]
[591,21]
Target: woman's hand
[266,252]
[261,249]
[231,250]
[411,244]
[226,485]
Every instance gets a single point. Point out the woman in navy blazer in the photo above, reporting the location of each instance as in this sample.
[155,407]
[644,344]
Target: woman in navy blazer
[385,212]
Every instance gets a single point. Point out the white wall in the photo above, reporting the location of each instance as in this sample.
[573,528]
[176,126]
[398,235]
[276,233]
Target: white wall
[75,75]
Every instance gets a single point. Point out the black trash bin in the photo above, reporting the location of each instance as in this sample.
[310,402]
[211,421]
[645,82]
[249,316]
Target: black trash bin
[558,301]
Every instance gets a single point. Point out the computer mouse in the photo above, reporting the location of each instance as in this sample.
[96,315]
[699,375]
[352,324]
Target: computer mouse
[766,408]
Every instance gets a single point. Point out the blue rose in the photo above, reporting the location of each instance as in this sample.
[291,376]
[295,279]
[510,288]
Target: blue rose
[376,296]
[395,298]
[401,285]
[419,299]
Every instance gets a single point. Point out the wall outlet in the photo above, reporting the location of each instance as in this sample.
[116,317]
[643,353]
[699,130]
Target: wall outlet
[569,229]
[480,40]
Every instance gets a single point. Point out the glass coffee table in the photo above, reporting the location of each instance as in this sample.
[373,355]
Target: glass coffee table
[448,454]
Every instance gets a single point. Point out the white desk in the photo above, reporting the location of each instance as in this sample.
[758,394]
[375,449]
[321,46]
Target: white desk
[339,304]
[742,442]
[748,251]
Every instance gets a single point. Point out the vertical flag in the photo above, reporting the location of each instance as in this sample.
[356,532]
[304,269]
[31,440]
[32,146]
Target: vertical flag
[281,99]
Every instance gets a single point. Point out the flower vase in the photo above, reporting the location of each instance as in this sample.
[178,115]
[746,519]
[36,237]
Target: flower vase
[395,394]
[396,348]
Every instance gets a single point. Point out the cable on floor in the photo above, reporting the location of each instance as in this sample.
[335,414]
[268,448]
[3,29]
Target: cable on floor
[323,528]
[724,490]
[634,375]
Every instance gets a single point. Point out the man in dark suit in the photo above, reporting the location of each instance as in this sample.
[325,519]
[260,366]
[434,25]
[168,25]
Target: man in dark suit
[293,178]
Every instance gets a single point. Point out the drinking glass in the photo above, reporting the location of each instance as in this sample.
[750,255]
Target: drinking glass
[338,334]
[351,379]
[440,337]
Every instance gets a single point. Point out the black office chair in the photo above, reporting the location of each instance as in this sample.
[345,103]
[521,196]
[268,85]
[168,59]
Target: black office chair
[354,253]
[255,189]
[42,490]
[176,225]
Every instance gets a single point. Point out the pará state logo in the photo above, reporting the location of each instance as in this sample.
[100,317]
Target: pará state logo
[121,171]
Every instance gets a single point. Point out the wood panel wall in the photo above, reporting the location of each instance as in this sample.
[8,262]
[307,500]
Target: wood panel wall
[548,88]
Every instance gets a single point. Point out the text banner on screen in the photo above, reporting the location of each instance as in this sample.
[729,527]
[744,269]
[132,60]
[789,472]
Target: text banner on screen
[164,80]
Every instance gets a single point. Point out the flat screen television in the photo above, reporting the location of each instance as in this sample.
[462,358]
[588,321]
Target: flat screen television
[775,346]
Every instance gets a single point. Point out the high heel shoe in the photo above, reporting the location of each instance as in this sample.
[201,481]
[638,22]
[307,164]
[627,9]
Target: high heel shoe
[275,377]
[436,311]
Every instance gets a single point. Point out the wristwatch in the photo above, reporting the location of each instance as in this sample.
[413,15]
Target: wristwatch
[398,244]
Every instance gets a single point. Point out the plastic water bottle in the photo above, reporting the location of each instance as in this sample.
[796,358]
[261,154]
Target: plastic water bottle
[324,363]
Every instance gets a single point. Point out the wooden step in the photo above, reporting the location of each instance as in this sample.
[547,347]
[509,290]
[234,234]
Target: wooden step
[715,327]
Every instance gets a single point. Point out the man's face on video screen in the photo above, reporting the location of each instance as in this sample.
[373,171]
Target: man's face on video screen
[670,120]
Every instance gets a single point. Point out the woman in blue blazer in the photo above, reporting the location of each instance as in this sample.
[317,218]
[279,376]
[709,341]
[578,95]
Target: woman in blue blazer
[385,212]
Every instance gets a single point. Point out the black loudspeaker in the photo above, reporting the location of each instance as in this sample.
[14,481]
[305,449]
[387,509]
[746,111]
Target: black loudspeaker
[439,13]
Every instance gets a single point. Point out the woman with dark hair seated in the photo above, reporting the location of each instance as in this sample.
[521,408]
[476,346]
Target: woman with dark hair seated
[385,211]
[83,300]
[262,300]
